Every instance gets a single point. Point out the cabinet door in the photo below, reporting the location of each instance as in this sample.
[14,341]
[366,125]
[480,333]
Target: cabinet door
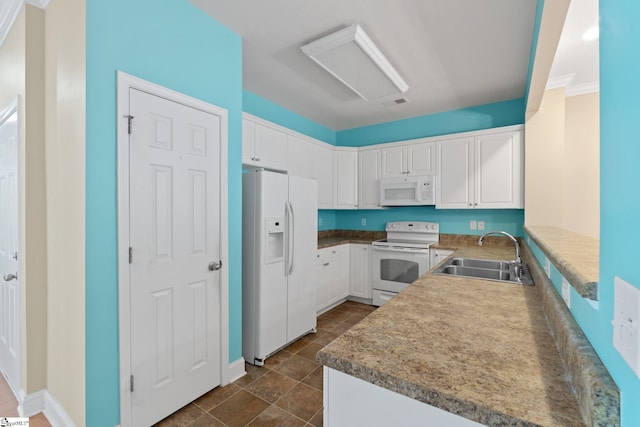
[421,158]
[394,161]
[454,181]
[359,282]
[342,270]
[270,147]
[345,188]
[498,172]
[248,134]
[323,160]
[369,179]
[300,157]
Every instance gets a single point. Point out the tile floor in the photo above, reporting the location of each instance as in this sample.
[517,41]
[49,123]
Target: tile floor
[9,406]
[286,391]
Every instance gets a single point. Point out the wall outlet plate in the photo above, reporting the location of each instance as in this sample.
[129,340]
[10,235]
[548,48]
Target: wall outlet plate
[626,323]
[473,225]
[363,221]
[566,292]
[547,267]
[480,225]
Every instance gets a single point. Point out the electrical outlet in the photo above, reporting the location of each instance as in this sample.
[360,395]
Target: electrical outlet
[626,323]
[473,225]
[320,222]
[566,292]
[547,267]
[480,225]
[363,221]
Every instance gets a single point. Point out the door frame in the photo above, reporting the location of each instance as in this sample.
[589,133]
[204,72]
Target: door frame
[125,82]
[14,107]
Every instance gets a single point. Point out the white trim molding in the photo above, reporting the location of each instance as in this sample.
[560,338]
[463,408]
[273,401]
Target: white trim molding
[43,401]
[560,81]
[125,83]
[9,10]
[236,370]
[583,89]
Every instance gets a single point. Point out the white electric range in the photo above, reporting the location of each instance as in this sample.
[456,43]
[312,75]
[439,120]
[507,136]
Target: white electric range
[401,258]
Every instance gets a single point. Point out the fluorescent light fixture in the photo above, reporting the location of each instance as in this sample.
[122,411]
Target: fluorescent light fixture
[591,34]
[351,57]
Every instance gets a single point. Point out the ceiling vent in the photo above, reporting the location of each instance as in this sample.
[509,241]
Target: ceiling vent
[396,101]
[351,57]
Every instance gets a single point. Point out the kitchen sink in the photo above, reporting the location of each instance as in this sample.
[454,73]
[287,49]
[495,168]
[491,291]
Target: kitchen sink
[481,263]
[486,269]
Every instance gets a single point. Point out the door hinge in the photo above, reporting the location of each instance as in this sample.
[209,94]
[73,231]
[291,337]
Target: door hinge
[131,383]
[130,255]
[129,118]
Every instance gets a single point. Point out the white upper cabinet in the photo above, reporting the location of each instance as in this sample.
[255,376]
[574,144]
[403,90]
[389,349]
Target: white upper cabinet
[301,157]
[411,159]
[263,145]
[345,188]
[369,179]
[499,172]
[454,182]
[323,166]
[482,172]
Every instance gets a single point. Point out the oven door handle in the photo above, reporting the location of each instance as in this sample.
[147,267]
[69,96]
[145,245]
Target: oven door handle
[401,250]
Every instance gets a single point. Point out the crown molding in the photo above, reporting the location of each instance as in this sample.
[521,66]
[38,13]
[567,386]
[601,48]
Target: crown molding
[583,89]
[560,81]
[9,10]
[42,4]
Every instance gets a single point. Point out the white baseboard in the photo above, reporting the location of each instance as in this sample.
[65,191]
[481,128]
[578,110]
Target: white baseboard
[236,370]
[43,401]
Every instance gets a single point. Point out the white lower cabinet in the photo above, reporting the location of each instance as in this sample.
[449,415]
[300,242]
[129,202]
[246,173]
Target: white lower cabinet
[437,255]
[359,274]
[332,276]
[350,401]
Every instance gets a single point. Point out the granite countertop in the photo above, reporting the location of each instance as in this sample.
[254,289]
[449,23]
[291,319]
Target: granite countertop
[340,237]
[476,348]
[575,255]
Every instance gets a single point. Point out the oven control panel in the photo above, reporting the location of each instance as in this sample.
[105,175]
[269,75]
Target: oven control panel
[413,227]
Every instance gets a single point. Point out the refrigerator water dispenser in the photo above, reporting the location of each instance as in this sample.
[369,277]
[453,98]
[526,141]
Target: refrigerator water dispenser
[275,240]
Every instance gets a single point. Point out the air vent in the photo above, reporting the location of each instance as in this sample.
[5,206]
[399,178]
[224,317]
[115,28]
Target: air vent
[397,101]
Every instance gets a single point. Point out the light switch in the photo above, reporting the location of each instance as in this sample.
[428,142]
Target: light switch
[626,323]
[566,292]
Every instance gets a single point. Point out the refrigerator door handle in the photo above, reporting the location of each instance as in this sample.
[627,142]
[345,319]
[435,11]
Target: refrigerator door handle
[290,239]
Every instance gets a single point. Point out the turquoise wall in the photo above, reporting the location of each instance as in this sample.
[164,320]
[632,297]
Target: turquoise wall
[265,109]
[619,176]
[452,221]
[173,44]
[467,119]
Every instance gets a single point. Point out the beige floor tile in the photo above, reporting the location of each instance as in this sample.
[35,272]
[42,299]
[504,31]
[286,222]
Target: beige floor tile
[271,386]
[302,401]
[216,396]
[310,351]
[296,367]
[276,417]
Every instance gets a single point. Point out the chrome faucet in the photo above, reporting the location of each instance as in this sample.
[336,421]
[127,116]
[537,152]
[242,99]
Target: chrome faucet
[517,261]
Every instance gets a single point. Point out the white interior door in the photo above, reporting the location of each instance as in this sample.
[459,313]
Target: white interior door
[9,285]
[175,239]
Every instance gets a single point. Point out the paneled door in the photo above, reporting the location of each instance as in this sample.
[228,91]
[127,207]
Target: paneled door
[174,255]
[9,284]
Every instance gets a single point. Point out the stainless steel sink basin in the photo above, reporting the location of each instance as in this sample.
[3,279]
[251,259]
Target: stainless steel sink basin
[481,263]
[500,271]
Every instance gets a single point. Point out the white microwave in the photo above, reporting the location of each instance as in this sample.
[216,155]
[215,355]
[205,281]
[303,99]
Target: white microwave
[407,190]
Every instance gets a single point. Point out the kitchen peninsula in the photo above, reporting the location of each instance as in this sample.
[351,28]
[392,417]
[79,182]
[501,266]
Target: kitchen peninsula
[478,349]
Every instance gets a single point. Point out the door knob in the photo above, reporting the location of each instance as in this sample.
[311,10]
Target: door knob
[10,276]
[214,266]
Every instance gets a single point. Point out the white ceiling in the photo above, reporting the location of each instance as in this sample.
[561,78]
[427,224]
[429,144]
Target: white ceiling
[453,54]
[576,62]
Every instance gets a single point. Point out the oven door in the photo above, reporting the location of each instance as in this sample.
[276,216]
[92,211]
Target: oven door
[394,268]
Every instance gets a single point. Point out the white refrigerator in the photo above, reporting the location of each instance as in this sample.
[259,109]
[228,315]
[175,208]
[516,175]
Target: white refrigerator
[279,249]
